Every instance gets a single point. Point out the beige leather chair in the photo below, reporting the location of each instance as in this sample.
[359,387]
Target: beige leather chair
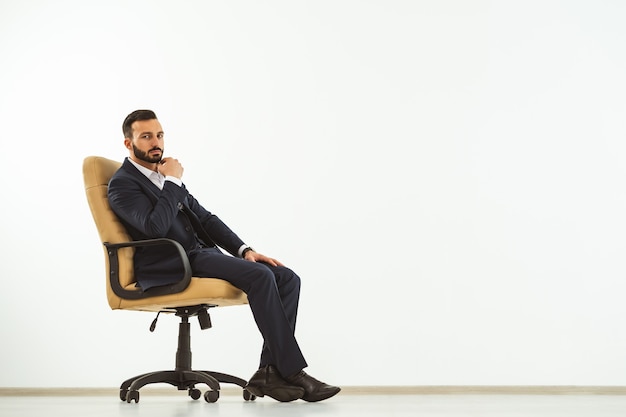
[190,297]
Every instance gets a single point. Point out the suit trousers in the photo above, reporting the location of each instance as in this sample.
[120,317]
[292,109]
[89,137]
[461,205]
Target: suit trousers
[273,294]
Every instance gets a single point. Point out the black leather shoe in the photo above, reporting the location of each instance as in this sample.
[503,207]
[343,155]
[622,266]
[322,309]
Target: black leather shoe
[267,381]
[314,390]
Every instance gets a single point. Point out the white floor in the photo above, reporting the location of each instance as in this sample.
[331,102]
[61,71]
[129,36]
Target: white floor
[345,405]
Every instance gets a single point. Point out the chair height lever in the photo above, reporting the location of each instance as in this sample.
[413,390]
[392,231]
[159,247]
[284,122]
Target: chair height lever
[154,322]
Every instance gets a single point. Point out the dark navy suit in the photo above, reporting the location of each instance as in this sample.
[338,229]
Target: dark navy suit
[148,212]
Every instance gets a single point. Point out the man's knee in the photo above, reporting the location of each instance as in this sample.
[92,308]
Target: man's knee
[285,276]
[262,275]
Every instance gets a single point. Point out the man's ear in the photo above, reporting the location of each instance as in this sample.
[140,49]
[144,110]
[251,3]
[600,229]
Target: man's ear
[128,143]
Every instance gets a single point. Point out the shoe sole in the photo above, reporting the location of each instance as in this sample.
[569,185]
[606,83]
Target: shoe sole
[325,396]
[283,395]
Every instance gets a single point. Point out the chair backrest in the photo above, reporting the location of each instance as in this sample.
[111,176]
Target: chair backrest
[97,171]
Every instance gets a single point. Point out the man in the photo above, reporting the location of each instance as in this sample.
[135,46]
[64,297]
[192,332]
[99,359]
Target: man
[148,196]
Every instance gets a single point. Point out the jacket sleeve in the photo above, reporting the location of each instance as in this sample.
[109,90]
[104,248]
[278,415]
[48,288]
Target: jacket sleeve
[221,234]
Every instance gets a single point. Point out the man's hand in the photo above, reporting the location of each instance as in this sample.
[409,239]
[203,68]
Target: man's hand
[171,166]
[253,256]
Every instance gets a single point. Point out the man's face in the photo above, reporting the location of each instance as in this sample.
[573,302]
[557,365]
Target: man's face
[147,141]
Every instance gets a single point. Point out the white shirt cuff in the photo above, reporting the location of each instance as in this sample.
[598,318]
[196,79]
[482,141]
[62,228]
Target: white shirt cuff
[241,249]
[175,180]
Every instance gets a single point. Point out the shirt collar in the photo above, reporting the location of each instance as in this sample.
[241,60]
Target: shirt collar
[145,171]
[156,177]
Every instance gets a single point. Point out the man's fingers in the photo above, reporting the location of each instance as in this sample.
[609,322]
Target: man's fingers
[276,262]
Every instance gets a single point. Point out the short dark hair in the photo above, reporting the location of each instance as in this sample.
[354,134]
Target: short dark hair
[133,117]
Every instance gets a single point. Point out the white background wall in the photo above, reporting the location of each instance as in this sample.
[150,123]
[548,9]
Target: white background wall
[446,176]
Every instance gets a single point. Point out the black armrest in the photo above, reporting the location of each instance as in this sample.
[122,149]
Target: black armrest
[114,267]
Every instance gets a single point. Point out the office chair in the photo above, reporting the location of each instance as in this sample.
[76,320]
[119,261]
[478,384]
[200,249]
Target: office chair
[187,298]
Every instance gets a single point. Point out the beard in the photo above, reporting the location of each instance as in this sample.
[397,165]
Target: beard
[144,156]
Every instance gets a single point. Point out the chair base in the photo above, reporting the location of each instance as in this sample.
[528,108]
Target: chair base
[183,377]
[183,380]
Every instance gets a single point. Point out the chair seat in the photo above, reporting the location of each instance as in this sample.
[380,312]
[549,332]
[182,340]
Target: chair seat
[211,291]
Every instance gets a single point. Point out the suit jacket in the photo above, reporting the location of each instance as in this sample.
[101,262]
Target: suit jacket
[148,213]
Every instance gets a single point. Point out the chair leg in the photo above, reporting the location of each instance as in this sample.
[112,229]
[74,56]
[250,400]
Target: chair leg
[227,379]
[126,384]
[180,379]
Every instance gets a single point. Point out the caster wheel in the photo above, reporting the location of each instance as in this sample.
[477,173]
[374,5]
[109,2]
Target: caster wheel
[123,394]
[132,396]
[211,396]
[195,393]
[248,396]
